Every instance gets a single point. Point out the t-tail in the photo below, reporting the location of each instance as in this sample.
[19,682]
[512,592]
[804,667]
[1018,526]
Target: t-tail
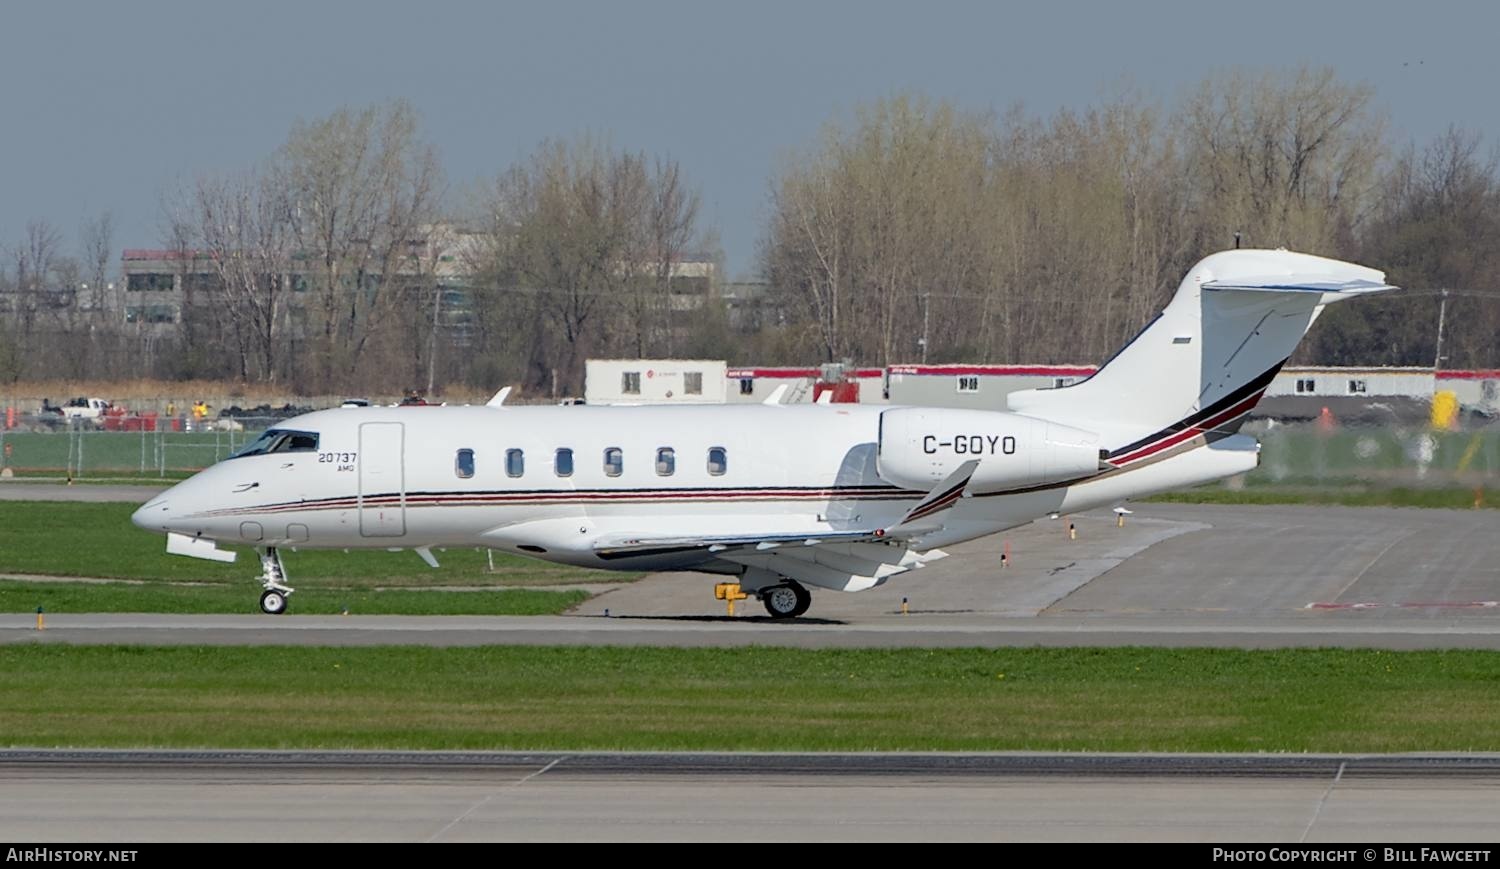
[1200,367]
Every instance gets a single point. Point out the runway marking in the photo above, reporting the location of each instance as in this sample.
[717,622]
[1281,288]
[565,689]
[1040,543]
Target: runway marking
[1319,810]
[1412,605]
[1366,568]
[489,796]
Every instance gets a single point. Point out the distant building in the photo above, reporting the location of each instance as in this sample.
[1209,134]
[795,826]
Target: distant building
[863,385]
[982,387]
[159,285]
[654,381]
[1476,390]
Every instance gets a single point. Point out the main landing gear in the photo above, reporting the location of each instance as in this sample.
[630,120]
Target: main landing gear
[787,600]
[273,579]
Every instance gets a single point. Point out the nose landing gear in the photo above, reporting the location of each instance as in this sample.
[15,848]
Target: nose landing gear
[273,599]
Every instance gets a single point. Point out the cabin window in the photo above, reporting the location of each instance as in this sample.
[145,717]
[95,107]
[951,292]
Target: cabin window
[747,386]
[614,462]
[968,383]
[563,463]
[692,383]
[1306,385]
[666,462]
[630,383]
[1356,387]
[515,463]
[279,440]
[463,464]
[718,461]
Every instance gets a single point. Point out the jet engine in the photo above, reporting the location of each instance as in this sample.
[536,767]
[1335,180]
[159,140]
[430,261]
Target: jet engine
[920,446]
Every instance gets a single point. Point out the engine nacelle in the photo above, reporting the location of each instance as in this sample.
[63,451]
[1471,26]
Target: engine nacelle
[919,446]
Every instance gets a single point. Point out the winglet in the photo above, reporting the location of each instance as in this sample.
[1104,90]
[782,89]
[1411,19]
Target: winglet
[944,496]
[499,398]
[776,396]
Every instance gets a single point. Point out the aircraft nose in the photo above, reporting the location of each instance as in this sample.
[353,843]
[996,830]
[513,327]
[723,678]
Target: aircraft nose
[152,516]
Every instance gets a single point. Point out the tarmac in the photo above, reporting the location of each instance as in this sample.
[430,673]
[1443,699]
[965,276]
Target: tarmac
[60,797]
[1176,575]
[1173,575]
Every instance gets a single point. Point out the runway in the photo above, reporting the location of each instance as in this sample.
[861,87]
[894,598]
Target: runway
[23,489]
[1319,631]
[326,796]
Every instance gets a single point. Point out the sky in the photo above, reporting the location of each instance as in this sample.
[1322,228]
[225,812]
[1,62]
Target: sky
[106,106]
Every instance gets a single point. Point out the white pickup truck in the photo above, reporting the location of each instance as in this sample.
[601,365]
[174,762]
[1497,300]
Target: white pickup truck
[91,409]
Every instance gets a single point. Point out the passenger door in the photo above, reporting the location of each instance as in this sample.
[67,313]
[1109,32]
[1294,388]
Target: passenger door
[382,479]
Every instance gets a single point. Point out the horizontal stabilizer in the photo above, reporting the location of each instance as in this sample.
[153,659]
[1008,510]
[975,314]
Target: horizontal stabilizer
[1308,283]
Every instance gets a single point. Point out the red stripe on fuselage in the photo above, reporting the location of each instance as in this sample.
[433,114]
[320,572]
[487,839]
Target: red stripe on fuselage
[1209,424]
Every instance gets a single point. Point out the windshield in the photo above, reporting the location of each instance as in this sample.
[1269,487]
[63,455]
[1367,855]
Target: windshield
[280,440]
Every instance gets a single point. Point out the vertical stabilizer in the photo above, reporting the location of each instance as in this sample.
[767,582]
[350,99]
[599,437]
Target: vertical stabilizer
[1203,363]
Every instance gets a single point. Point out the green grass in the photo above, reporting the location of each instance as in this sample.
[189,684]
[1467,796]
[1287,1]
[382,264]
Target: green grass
[1448,498]
[157,597]
[1129,699]
[46,537]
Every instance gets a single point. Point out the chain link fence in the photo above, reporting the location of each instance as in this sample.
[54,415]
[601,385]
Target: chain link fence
[1377,456]
[141,447]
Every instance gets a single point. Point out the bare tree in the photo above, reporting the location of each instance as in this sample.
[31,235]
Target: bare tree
[361,190]
[587,239]
[34,262]
[246,235]
[97,239]
[671,227]
[1286,158]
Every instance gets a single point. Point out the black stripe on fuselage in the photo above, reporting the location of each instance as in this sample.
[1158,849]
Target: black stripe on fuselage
[1228,401]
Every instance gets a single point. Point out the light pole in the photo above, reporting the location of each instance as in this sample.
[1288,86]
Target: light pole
[1437,361]
[925,311]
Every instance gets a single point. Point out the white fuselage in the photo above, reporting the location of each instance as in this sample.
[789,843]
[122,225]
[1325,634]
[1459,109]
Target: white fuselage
[399,478]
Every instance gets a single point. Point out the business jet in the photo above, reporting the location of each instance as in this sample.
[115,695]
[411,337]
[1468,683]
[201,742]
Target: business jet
[781,498]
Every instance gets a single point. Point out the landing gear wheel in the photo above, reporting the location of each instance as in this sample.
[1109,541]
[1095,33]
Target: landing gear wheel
[786,601]
[272,602]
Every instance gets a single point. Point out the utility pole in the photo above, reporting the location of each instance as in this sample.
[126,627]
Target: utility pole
[437,303]
[925,321]
[1437,361]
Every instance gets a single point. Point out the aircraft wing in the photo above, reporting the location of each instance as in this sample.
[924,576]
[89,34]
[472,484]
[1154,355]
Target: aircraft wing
[845,566]
[632,544]
[844,560]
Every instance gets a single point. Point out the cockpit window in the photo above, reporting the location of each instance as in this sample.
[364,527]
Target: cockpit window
[280,440]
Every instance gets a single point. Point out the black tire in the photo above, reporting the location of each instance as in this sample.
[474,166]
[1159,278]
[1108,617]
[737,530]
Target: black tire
[786,601]
[804,600]
[272,602]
